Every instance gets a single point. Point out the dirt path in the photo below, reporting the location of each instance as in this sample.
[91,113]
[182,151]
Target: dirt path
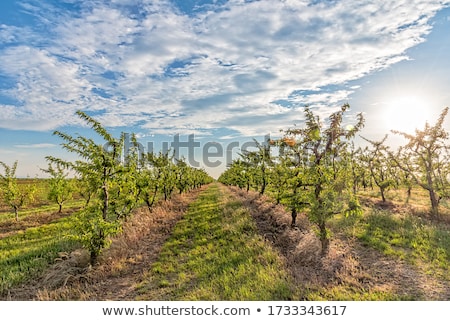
[120,267]
[348,264]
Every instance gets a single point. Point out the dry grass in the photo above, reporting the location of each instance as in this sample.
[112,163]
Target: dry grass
[67,268]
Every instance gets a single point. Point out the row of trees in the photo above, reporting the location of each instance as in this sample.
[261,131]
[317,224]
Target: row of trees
[320,171]
[13,194]
[113,181]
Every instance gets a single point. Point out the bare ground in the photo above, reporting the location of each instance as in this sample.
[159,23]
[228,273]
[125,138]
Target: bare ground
[348,262]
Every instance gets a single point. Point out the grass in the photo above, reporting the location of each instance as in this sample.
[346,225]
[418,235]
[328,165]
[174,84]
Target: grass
[216,253]
[410,238]
[402,233]
[29,248]
[24,255]
[348,293]
[419,197]
[33,211]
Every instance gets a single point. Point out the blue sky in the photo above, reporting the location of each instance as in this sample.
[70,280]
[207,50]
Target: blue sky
[224,70]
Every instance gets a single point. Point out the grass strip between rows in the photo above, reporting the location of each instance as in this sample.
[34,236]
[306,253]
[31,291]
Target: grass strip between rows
[216,253]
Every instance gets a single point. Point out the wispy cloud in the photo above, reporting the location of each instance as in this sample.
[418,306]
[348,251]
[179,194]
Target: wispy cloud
[241,65]
[35,146]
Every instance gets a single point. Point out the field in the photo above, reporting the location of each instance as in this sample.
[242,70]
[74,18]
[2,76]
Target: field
[223,243]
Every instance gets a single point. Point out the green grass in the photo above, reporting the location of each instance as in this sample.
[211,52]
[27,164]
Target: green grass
[348,293]
[32,211]
[26,254]
[216,253]
[419,198]
[408,237]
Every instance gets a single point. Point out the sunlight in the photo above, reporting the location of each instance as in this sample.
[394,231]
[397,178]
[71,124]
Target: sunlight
[406,113]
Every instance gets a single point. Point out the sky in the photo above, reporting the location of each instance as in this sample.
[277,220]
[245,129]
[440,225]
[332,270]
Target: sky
[225,71]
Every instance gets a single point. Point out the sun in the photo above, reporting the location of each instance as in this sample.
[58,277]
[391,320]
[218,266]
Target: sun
[406,113]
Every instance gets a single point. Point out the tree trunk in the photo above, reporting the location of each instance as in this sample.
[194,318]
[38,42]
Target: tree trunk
[93,258]
[88,199]
[325,246]
[155,193]
[263,186]
[433,197]
[408,194]
[105,202]
[324,238]
[434,203]
[149,204]
[16,213]
[294,217]
[383,196]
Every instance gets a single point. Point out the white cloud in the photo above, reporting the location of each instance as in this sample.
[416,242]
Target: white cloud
[151,66]
[33,146]
[13,34]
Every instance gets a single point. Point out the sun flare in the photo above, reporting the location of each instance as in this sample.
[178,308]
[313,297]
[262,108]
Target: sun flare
[406,113]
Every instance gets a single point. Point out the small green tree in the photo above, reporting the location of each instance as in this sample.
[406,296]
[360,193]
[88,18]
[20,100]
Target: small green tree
[60,187]
[360,175]
[279,179]
[295,163]
[325,170]
[380,165]
[200,177]
[157,177]
[184,176]
[125,190]
[148,181]
[165,170]
[258,164]
[15,195]
[102,165]
[239,173]
[84,188]
[425,158]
